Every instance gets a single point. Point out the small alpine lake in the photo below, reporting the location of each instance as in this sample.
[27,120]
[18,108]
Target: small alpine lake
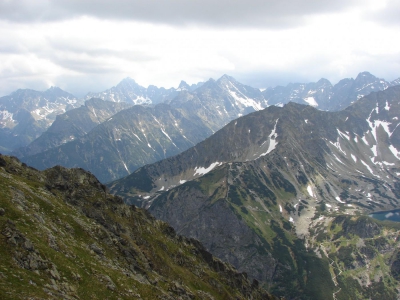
[390,215]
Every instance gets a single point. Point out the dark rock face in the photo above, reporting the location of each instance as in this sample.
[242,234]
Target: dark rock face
[219,228]
[364,228]
[395,266]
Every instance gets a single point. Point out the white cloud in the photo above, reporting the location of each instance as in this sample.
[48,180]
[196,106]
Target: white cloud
[81,47]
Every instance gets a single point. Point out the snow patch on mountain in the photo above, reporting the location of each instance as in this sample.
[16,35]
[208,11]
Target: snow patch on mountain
[203,171]
[374,150]
[310,191]
[311,101]
[338,199]
[243,99]
[272,140]
[346,136]
[369,168]
[6,117]
[126,168]
[394,151]
[337,146]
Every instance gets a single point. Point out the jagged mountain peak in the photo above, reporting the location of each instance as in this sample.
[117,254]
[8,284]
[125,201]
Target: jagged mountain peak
[226,78]
[365,74]
[395,82]
[324,82]
[127,81]
[183,86]
[54,88]
[55,92]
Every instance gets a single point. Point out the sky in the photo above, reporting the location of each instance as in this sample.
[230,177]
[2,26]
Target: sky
[91,45]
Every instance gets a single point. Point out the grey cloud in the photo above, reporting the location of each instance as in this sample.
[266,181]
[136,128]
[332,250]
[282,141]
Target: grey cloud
[83,84]
[390,15]
[264,79]
[94,51]
[236,13]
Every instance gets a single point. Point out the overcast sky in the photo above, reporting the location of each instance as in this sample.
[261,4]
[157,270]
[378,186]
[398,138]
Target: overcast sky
[91,45]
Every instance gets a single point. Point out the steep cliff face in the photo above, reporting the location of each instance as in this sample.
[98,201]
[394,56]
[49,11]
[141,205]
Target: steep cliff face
[63,236]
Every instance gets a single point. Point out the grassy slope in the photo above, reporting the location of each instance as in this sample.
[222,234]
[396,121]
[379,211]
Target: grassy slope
[68,239]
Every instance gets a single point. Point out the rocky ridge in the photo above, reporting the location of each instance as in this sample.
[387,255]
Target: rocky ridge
[63,236]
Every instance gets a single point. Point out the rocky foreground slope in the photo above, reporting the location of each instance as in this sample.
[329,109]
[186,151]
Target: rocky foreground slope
[62,236]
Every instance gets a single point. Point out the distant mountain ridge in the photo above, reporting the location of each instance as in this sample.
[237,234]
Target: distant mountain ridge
[131,92]
[325,96]
[73,124]
[143,134]
[209,107]
[25,114]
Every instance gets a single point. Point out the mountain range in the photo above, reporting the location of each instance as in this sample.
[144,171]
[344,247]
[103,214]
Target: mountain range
[145,134]
[174,125]
[266,191]
[26,114]
[324,95]
[131,92]
[73,124]
[281,192]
